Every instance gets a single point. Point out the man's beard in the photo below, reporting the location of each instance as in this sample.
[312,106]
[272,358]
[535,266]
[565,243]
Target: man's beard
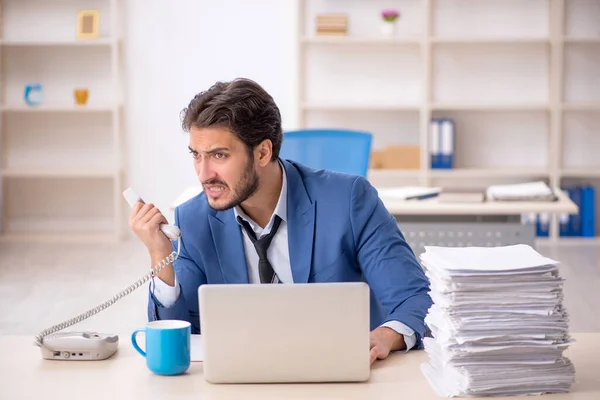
[246,186]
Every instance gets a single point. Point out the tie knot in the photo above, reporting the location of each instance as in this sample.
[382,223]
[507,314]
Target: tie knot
[263,243]
[266,272]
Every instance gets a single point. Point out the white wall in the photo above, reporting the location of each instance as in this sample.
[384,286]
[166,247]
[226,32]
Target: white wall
[177,48]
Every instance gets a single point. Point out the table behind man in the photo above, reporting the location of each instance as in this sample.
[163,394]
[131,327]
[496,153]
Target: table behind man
[261,219]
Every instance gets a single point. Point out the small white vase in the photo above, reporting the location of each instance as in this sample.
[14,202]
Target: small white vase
[388,29]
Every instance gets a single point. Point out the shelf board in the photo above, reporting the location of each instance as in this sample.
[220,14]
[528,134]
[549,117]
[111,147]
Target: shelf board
[57,173]
[58,237]
[587,106]
[57,108]
[352,40]
[582,40]
[592,172]
[490,40]
[490,107]
[57,43]
[359,107]
[459,173]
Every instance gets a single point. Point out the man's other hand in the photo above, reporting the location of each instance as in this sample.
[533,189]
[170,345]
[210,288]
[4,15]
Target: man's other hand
[383,341]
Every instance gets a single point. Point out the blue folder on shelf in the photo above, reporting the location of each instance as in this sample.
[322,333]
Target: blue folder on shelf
[447,143]
[442,143]
[543,225]
[435,151]
[565,219]
[582,223]
[575,219]
[588,211]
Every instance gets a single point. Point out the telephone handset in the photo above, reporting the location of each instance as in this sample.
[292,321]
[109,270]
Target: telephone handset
[93,345]
[170,231]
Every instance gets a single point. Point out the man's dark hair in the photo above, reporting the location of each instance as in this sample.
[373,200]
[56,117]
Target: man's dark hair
[243,107]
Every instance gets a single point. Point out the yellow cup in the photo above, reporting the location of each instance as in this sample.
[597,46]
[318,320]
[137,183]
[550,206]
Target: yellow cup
[81,96]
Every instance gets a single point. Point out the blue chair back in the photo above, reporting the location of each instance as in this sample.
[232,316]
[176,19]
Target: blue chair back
[332,149]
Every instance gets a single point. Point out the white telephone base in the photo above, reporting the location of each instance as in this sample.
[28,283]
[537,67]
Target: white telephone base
[75,346]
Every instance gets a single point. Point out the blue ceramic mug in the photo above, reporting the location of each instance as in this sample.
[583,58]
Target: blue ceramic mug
[167,346]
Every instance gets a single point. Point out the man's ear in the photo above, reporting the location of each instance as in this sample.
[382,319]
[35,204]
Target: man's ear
[264,152]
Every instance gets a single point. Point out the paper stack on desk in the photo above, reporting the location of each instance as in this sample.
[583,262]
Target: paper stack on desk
[498,323]
[529,191]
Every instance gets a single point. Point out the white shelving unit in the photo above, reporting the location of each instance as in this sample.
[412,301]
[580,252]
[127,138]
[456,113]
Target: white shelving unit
[520,79]
[61,163]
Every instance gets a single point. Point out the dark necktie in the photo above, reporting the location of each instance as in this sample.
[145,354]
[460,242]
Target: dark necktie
[265,271]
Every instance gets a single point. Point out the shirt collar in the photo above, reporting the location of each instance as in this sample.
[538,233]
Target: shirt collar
[280,208]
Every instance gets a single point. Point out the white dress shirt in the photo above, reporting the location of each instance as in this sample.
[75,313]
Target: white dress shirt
[279,258]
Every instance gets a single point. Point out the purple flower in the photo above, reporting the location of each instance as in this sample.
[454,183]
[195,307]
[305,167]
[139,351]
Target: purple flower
[390,15]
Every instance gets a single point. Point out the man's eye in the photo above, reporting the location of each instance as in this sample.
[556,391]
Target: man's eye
[219,155]
[194,154]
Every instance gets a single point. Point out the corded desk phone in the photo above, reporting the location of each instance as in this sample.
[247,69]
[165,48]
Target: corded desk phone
[78,346]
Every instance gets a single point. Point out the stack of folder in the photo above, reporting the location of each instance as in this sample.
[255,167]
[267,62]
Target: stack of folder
[498,323]
[442,143]
[332,25]
[582,224]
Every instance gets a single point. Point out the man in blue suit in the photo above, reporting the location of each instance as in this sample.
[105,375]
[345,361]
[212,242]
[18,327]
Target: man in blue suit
[262,219]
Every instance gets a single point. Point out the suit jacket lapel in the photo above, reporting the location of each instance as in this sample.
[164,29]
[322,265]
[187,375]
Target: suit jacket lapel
[301,224]
[229,246]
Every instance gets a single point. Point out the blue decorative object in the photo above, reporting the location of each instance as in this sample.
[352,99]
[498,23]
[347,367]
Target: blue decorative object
[332,149]
[33,94]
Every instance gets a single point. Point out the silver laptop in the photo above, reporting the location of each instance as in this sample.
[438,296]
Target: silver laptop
[314,332]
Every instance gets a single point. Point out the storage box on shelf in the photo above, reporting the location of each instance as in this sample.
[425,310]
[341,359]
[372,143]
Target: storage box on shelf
[518,79]
[396,157]
[332,25]
[61,132]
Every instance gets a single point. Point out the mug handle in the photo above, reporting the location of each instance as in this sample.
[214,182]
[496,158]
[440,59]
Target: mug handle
[134,341]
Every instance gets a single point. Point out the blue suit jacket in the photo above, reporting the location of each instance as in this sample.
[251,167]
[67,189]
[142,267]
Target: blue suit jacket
[338,231]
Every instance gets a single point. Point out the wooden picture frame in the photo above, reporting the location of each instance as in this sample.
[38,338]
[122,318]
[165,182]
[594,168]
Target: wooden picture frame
[88,22]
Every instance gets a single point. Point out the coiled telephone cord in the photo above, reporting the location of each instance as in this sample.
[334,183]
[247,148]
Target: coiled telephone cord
[39,339]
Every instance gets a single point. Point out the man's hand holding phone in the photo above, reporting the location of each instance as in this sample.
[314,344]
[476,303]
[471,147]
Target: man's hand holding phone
[145,221]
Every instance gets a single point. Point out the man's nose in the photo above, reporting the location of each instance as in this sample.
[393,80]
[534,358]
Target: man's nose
[204,171]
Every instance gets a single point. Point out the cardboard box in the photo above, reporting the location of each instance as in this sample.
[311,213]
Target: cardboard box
[331,24]
[402,157]
[376,159]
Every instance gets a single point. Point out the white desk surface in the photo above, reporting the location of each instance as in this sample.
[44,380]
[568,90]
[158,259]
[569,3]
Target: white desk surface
[25,375]
[432,206]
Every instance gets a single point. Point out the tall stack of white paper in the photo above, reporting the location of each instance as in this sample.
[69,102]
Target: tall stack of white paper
[498,323]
